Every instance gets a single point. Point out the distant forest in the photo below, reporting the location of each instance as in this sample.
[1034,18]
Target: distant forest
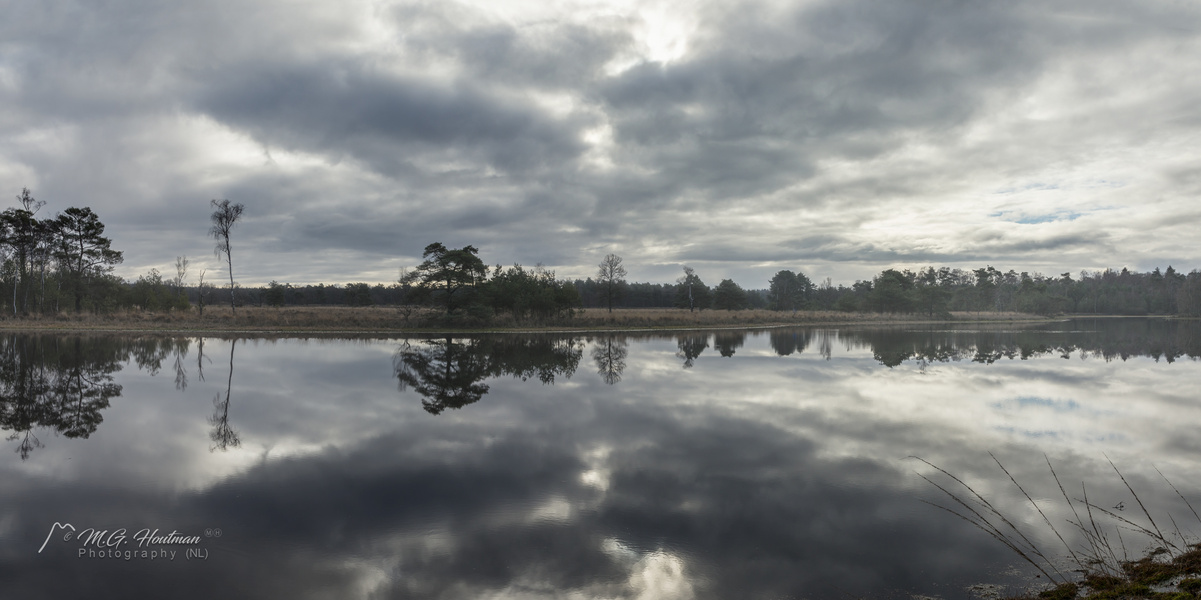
[933,291]
[64,263]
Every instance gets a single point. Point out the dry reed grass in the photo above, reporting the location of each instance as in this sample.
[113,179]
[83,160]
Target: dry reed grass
[1169,572]
[404,319]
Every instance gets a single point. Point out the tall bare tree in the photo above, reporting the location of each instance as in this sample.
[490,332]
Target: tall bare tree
[611,274]
[201,290]
[224,218]
[181,274]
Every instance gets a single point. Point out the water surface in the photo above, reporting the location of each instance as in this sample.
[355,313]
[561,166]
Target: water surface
[728,464]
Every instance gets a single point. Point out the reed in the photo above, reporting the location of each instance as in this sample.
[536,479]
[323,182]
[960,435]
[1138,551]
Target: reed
[1170,570]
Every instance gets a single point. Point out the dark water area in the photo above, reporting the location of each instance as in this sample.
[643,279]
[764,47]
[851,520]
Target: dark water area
[720,464]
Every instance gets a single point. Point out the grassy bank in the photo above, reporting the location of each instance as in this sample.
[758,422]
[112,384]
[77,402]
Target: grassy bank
[378,319]
[1152,577]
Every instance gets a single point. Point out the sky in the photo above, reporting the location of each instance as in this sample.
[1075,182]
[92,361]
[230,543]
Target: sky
[837,138]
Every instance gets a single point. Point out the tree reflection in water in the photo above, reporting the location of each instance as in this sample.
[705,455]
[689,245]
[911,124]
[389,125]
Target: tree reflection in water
[610,357]
[61,383]
[65,382]
[223,434]
[449,373]
[1107,339]
[690,346]
[726,342]
[787,341]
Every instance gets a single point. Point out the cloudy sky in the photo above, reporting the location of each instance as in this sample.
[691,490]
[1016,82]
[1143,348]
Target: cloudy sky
[835,137]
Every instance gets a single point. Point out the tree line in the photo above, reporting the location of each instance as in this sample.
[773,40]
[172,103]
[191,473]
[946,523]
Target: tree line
[64,262]
[934,291]
[458,282]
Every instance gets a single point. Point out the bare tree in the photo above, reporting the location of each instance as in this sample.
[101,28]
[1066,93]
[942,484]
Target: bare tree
[611,274]
[405,306]
[181,273]
[201,290]
[224,218]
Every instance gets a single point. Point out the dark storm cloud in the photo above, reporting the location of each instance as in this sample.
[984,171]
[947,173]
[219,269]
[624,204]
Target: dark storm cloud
[545,54]
[336,108]
[418,122]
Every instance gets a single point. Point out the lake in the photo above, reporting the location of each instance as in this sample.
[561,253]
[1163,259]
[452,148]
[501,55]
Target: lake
[701,464]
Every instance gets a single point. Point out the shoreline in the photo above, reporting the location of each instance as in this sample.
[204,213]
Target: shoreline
[388,322]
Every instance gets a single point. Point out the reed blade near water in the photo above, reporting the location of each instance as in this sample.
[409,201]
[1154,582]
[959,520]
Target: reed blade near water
[1094,569]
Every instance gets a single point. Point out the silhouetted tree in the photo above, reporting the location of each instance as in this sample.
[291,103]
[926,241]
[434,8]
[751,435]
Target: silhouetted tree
[788,291]
[729,296]
[82,250]
[224,218]
[890,291]
[181,273]
[932,290]
[21,234]
[449,273]
[357,294]
[202,290]
[149,293]
[274,296]
[691,292]
[535,292]
[611,275]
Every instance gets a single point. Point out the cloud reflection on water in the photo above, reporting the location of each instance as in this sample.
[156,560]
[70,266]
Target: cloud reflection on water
[779,469]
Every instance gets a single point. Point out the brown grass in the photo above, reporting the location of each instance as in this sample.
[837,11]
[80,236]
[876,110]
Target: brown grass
[386,319]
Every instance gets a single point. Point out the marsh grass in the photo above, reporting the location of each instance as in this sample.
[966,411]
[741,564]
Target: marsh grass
[406,318]
[1103,568]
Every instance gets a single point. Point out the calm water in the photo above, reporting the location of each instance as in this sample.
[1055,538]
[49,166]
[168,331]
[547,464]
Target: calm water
[698,465]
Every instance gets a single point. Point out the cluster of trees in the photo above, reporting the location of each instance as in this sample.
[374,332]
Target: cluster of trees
[689,291]
[55,263]
[64,262]
[937,291]
[459,281]
[932,291]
